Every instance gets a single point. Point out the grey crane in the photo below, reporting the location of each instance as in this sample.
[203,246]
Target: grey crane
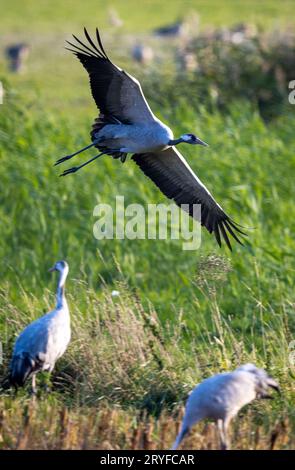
[44,340]
[142,54]
[17,55]
[221,396]
[126,124]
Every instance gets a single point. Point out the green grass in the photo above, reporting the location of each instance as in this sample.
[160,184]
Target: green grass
[50,217]
[212,309]
[44,16]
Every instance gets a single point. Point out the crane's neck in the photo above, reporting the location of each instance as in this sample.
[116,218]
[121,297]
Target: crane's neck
[60,293]
[175,141]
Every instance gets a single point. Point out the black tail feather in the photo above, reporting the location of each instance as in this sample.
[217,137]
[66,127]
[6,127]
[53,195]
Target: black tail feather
[20,369]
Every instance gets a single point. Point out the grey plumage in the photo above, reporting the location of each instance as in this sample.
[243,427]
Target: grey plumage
[142,54]
[221,396]
[21,367]
[43,341]
[17,55]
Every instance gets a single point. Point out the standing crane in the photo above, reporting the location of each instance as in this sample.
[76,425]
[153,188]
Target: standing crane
[43,341]
[126,124]
[221,396]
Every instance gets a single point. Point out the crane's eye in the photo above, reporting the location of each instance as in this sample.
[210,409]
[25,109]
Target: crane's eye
[193,137]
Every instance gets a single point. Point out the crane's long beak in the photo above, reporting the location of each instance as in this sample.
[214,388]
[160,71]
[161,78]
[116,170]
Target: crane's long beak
[273,384]
[201,142]
[51,269]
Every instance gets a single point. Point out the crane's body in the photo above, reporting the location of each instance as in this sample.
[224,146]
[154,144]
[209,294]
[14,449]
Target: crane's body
[44,340]
[127,125]
[221,396]
[138,138]
[218,396]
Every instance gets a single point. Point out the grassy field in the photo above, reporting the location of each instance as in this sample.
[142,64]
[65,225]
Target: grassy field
[181,315]
[60,16]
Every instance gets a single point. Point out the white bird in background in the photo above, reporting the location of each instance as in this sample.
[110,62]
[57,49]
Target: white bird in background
[221,396]
[142,54]
[126,124]
[43,341]
[114,18]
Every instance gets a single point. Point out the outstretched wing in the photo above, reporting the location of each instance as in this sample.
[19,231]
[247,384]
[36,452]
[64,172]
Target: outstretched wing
[116,93]
[174,177]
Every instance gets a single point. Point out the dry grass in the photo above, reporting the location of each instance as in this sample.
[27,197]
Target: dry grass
[123,382]
[129,367]
[45,426]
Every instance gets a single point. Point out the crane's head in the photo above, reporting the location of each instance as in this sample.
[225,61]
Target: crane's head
[262,379]
[61,266]
[192,139]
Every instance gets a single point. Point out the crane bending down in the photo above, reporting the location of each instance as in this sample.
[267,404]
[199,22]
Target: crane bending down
[221,396]
[126,124]
[43,341]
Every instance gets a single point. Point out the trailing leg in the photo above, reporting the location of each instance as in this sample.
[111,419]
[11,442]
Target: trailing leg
[222,428]
[68,157]
[34,388]
[76,168]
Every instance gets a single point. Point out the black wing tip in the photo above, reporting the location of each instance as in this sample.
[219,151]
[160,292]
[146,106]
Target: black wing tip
[224,234]
[228,225]
[238,226]
[78,51]
[96,50]
[71,50]
[101,50]
[231,229]
[100,43]
[217,235]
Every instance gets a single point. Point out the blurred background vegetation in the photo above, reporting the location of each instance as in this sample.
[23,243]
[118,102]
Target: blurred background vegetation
[221,72]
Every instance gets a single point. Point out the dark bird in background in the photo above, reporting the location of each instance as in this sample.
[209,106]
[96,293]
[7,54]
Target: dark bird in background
[174,30]
[17,55]
[126,124]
